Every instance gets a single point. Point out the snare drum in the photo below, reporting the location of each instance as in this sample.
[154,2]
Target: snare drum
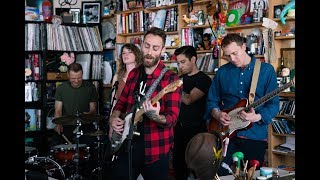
[30,151]
[64,153]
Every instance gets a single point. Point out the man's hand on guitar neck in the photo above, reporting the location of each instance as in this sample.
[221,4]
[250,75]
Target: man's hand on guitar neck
[153,111]
[250,115]
[116,123]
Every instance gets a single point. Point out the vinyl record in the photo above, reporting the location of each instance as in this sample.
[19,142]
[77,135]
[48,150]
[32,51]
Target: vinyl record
[233,18]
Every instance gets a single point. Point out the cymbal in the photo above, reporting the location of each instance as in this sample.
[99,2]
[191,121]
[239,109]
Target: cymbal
[72,119]
[95,133]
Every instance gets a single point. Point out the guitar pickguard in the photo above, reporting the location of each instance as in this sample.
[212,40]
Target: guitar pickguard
[236,122]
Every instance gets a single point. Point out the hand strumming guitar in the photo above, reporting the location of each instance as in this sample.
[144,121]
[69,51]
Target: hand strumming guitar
[250,115]
[221,116]
[116,123]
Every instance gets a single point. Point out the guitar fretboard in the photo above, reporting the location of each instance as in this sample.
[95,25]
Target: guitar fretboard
[269,96]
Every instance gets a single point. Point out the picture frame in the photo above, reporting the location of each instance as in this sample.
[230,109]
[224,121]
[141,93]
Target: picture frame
[91,12]
[60,11]
[289,57]
[277,10]
[75,13]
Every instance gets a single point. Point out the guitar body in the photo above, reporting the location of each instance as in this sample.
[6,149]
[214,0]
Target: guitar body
[236,123]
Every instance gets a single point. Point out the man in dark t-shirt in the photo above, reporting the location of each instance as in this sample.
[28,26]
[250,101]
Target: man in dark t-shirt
[190,120]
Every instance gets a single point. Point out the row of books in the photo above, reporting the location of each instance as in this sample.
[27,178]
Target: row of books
[124,5]
[288,146]
[283,126]
[33,67]
[207,63]
[32,91]
[287,107]
[140,21]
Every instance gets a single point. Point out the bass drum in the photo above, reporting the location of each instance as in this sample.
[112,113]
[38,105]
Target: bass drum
[43,167]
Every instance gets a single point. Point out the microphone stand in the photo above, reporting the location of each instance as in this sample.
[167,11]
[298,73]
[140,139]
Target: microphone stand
[115,89]
[76,156]
[130,136]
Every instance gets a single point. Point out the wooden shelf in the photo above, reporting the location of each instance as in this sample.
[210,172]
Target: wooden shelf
[204,51]
[131,34]
[287,94]
[286,117]
[243,26]
[284,153]
[172,32]
[161,7]
[284,37]
[284,135]
[107,16]
[287,19]
[172,47]
[130,11]
[167,62]
[195,27]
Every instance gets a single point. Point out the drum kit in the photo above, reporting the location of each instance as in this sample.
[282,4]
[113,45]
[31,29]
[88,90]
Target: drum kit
[67,157]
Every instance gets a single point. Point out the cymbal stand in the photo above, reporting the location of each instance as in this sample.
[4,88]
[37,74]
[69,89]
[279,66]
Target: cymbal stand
[100,161]
[76,155]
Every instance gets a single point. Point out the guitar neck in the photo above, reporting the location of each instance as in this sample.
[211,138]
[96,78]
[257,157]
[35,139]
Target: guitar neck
[268,96]
[140,112]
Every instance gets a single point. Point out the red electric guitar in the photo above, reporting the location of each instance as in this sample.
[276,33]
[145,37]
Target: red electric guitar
[236,123]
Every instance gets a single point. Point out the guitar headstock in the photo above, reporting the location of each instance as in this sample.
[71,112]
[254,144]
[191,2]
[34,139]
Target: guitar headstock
[173,86]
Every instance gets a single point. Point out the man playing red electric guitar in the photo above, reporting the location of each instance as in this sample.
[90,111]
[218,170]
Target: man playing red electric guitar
[231,85]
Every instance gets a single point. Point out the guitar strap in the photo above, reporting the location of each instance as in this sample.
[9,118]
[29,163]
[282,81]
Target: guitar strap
[254,81]
[151,88]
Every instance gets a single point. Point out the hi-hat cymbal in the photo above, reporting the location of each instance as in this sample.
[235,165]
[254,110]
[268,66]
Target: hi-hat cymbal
[72,119]
[95,133]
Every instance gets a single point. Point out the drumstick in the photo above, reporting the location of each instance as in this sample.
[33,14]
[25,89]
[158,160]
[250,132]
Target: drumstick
[65,138]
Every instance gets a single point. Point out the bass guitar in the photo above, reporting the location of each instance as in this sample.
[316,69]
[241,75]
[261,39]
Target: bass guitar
[117,139]
[236,123]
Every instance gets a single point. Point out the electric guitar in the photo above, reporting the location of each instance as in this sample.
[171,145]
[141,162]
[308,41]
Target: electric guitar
[117,139]
[236,123]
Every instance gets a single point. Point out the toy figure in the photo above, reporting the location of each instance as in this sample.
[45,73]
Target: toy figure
[287,7]
[206,41]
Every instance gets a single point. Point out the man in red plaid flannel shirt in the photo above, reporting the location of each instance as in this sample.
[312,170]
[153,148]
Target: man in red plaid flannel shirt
[150,150]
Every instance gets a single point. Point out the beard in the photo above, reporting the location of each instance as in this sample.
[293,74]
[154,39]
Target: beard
[154,61]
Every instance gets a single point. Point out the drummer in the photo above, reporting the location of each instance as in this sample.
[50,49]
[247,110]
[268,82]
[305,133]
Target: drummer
[73,97]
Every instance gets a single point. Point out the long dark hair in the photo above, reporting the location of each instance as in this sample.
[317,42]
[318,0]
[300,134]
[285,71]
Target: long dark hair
[137,53]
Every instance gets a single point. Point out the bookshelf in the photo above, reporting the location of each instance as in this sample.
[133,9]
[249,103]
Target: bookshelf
[174,26]
[276,156]
[44,44]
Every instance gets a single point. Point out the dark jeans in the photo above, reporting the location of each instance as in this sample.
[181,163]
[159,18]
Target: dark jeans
[155,171]
[182,135]
[252,150]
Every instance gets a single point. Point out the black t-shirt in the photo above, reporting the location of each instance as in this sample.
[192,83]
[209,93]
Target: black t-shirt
[193,114]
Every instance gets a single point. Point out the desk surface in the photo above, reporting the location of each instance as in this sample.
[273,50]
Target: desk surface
[282,173]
